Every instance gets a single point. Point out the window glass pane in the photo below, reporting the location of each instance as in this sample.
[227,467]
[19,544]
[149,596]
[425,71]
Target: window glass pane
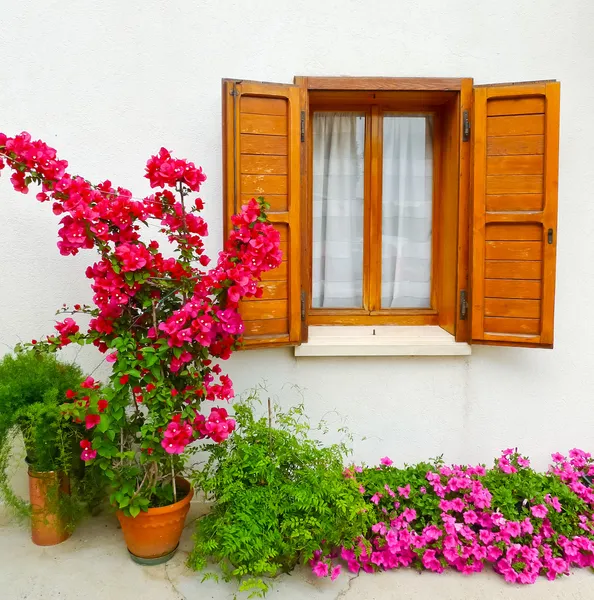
[338,162]
[407,206]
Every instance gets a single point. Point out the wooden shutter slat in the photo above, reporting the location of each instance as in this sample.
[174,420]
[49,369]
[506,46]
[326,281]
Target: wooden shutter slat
[513,202]
[510,269]
[522,106]
[511,325]
[511,288]
[521,164]
[262,157]
[257,164]
[515,144]
[264,144]
[515,125]
[515,151]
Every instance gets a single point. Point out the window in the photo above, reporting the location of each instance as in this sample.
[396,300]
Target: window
[400,202]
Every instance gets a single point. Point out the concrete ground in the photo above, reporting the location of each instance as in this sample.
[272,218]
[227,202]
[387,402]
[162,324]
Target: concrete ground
[93,565]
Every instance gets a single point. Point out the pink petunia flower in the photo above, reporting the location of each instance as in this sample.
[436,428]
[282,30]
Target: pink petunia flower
[386,461]
[320,569]
[404,491]
[540,511]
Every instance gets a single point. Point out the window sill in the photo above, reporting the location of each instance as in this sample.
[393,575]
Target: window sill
[381,341]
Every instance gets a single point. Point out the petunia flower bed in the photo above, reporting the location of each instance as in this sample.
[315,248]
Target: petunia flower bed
[432,516]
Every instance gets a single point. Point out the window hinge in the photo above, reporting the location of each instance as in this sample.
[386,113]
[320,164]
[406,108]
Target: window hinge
[463,305]
[465,126]
[303,305]
[303,126]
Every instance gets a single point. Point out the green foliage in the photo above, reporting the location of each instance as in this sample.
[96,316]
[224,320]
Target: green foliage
[280,496]
[32,388]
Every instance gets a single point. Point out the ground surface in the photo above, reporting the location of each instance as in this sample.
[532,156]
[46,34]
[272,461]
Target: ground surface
[93,565]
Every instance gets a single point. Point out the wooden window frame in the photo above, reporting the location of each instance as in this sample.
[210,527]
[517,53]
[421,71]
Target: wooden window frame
[445,99]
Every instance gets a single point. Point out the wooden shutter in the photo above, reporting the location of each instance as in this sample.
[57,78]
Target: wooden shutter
[262,157]
[514,214]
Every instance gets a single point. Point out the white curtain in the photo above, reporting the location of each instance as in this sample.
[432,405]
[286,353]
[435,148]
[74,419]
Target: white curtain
[407,206]
[338,160]
[338,164]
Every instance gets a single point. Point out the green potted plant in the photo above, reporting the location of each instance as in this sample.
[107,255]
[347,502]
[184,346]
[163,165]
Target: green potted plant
[164,323]
[32,389]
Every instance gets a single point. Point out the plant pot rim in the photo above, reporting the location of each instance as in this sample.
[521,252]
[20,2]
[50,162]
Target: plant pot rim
[32,472]
[159,510]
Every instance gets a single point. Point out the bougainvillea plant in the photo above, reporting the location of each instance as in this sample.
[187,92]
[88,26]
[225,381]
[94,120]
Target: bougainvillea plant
[163,322]
[434,516]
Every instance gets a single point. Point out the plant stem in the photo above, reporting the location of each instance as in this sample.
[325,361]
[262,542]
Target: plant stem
[269,423]
[173,481]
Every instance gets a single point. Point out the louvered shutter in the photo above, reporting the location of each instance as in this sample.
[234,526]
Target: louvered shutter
[514,214]
[262,157]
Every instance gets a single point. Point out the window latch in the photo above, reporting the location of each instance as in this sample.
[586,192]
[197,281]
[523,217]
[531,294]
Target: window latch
[303,126]
[303,305]
[463,305]
[465,126]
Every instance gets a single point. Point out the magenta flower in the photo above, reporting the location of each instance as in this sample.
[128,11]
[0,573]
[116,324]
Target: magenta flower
[320,569]
[540,511]
[554,502]
[87,452]
[386,461]
[404,491]
[92,420]
[375,498]
[111,358]
[335,572]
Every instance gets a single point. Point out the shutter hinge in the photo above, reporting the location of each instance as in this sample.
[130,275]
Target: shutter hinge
[303,126]
[303,305]
[463,305]
[234,91]
[465,126]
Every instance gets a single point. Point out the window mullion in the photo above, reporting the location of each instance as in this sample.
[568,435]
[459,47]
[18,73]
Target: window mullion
[374,200]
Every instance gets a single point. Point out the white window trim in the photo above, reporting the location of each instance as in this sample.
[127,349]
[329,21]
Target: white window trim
[339,340]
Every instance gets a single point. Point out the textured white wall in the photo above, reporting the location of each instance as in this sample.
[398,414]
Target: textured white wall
[107,83]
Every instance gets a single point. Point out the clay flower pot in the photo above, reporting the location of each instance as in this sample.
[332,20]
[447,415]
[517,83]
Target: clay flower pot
[45,488]
[153,536]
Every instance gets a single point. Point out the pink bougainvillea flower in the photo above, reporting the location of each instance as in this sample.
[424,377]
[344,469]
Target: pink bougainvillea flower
[91,421]
[111,358]
[87,452]
[375,498]
[335,572]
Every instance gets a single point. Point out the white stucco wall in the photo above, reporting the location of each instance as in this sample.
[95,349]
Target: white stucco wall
[107,83]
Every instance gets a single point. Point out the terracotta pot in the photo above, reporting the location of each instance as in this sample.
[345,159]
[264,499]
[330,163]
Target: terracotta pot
[153,536]
[45,487]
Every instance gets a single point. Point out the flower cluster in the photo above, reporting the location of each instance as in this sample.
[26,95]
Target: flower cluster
[458,517]
[163,321]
